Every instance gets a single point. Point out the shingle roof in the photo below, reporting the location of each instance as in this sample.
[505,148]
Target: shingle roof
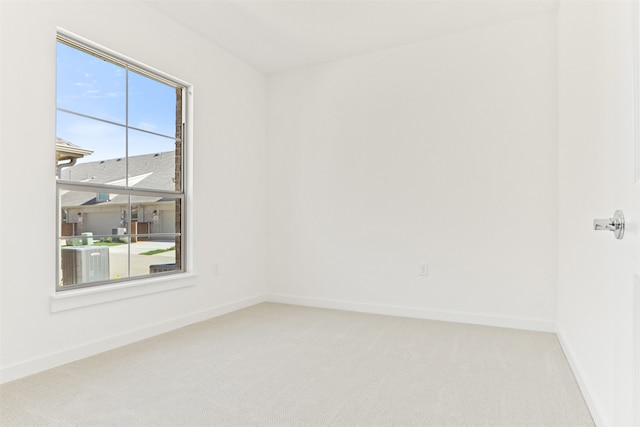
[150,171]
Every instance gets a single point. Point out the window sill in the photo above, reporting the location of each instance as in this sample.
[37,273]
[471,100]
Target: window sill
[69,300]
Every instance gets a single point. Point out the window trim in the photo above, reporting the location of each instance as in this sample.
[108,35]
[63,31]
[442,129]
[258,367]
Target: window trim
[109,292]
[116,289]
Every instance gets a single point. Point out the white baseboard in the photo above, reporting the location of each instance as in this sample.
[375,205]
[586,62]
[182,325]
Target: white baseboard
[418,313]
[51,360]
[594,407]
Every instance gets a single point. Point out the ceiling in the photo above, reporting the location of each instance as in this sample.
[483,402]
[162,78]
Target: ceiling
[279,35]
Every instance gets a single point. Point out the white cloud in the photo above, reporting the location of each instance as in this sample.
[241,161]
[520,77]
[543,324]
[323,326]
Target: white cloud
[147,126]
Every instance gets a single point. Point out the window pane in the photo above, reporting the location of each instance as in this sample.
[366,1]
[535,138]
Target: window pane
[93,242]
[152,105]
[153,256]
[92,259]
[89,85]
[152,162]
[99,145]
[159,219]
[84,264]
[104,215]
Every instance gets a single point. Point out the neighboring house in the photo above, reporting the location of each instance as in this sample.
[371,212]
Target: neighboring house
[106,214]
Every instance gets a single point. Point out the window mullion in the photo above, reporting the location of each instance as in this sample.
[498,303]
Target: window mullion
[122,125]
[134,191]
[128,228]
[126,121]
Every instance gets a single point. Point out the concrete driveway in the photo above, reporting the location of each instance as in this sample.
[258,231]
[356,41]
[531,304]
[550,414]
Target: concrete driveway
[118,256]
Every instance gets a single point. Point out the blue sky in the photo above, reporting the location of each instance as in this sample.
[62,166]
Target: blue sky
[92,86]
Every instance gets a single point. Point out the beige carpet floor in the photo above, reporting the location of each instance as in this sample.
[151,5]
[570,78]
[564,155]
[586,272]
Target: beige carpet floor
[283,365]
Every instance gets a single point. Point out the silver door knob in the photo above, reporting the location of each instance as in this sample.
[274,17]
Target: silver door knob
[615,224]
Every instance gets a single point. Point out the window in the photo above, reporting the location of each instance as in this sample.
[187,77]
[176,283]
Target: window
[119,168]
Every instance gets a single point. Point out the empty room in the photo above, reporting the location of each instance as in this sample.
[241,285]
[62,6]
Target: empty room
[320,213]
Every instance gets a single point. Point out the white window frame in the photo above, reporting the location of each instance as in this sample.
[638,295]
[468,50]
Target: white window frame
[114,289]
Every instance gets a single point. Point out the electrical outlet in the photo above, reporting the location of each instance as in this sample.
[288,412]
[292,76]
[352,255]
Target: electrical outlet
[424,270]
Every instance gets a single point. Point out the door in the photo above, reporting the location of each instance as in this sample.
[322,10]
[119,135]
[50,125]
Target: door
[625,50]
[626,174]
[599,173]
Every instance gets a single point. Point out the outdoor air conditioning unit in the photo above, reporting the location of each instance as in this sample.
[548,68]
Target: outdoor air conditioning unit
[82,264]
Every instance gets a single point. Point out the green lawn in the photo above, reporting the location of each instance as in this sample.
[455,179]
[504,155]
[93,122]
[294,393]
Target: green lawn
[158,251]
[107,243]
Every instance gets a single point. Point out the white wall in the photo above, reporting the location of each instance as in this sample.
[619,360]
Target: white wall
[228,211]
[441,152]
[596,163]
